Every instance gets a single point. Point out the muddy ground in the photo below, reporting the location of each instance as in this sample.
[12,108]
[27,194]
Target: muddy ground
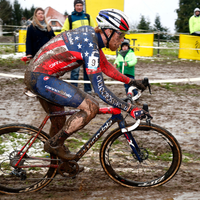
[177,111]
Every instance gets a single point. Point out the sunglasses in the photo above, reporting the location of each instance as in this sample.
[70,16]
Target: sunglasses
[121,35]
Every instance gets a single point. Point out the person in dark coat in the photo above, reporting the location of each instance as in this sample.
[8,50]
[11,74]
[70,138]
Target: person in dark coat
[38,33]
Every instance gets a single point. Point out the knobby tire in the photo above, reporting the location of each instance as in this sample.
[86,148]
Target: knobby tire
[12,139]
[160,151]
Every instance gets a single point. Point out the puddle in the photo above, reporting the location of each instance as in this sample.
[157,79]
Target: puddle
[188,196]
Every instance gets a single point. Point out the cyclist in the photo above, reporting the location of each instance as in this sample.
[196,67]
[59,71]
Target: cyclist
[67,51]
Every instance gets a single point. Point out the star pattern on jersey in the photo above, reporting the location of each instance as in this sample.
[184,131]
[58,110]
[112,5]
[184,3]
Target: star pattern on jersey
[86,39]
[86,54]
[79,46]
[76,38]
[90,44]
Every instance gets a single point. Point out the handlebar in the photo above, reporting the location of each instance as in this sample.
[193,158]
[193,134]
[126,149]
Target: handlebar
[130,99]
[137,123]
[130,94]
[130,128]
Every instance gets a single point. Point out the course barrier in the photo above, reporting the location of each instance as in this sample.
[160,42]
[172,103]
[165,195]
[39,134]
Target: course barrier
[185,80]
[189,47]
[142,43]
[22,39]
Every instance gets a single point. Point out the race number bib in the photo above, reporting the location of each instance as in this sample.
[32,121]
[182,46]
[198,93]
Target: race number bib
[93,62]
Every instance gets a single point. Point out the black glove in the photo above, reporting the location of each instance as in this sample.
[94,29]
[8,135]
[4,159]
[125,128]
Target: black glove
[138,84]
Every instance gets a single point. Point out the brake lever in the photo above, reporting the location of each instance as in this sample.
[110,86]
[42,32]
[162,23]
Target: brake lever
[149,117]
[149,87]
[148,121]
[145,82]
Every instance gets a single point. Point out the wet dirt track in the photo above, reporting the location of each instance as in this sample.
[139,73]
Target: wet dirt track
[178,112]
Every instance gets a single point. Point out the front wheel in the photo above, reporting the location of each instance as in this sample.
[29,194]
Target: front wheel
[159,150]
[31,175]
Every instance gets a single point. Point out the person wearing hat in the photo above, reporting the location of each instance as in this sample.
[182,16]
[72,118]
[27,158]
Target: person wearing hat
[126,61]
[77,19]
[194,23]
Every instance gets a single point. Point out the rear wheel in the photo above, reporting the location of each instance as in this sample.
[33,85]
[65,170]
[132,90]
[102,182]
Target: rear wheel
[18,180]
[159,150]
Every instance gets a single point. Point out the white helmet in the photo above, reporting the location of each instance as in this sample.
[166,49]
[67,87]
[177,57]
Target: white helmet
[195,10]
[113,19]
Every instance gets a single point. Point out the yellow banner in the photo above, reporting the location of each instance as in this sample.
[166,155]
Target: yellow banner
[136,42]
[56,33]
[94,6]
[189,46]
[22,39]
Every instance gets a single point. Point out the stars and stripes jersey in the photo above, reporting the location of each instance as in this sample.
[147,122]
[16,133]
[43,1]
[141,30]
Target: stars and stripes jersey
[70,50]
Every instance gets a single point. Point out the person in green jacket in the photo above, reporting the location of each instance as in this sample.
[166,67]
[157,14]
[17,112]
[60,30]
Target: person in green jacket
[194,23]
[77,19]
[126,61]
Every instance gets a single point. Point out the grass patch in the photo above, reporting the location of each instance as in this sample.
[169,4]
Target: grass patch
[166,52]
[117,142]
[7,49]
[190,157]
[5,166]
[11,63]
[178,87]
[185,160]
[74,143]
[163,157]
[97,145]
[13,82]
[2,149]
[34,168]
[84,136]
[17,135]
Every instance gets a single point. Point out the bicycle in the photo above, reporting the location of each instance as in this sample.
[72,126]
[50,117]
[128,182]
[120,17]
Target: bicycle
[136,154]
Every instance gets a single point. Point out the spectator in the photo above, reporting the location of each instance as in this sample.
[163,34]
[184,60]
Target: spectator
[38,33]
[23,21]
[77,19]
[194,23]
[28,22]
[126,61]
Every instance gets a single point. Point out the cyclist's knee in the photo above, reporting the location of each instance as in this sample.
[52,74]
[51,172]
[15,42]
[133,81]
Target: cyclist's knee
[90,106]
[93,109]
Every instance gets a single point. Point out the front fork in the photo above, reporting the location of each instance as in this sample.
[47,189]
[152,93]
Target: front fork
[131,141]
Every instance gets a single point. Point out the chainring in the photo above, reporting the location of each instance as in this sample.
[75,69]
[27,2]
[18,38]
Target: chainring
[68,168]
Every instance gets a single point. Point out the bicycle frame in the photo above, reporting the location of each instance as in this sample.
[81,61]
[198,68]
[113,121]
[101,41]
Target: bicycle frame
[116,117]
